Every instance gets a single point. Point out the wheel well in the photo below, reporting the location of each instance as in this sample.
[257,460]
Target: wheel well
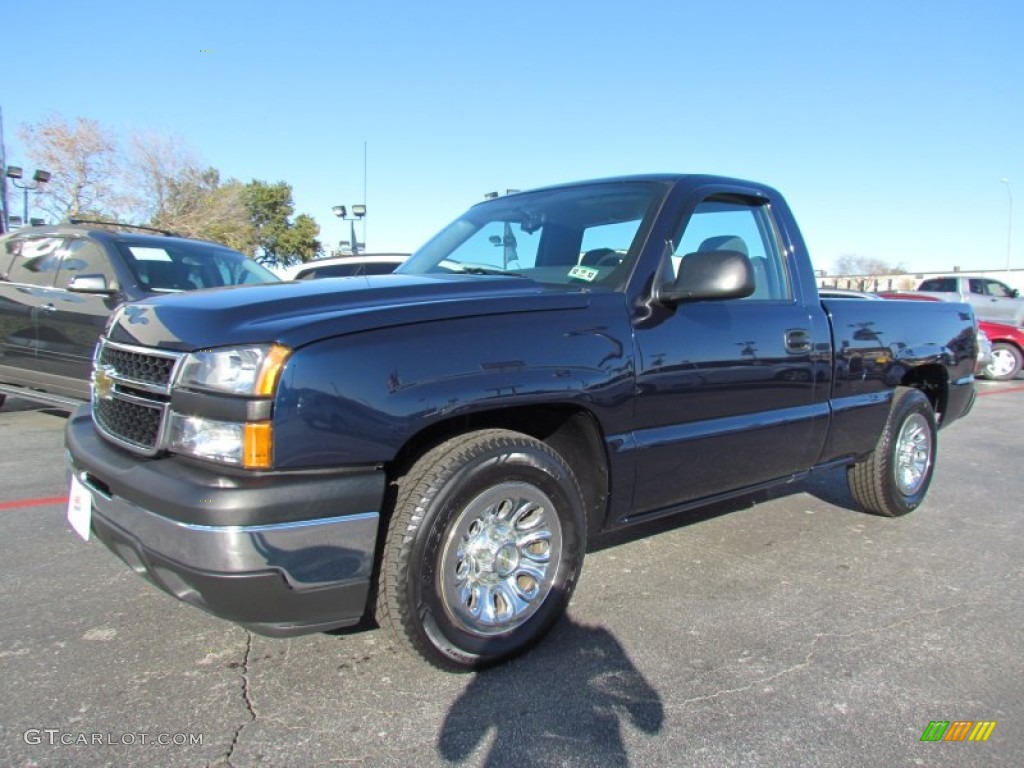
[572,432]
[1008,343]
[934,382]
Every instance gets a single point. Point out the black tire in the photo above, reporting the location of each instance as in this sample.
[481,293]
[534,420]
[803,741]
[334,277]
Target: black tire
[483,549]
[1006,362]
[894,478]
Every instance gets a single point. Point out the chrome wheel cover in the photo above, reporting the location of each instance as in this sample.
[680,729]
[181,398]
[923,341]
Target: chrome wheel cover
[1003,363]
[500,559]
[913,454]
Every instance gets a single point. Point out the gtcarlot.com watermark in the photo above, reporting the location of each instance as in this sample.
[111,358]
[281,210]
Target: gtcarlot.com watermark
[55,737]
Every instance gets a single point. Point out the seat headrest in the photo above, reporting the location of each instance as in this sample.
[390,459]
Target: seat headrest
[725,243]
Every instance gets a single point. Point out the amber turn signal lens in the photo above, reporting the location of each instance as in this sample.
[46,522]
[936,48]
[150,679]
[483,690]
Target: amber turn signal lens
[270,370]
[258,445]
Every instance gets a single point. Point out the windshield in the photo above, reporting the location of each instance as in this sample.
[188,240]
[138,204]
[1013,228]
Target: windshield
[570,236]
[187,266]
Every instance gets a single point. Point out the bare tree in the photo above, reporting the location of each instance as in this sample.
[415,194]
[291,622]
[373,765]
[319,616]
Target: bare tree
[155,163]
[84,162]
[170,188]
[852,264]
[174,191]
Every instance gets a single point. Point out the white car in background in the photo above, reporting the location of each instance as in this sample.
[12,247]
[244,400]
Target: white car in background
[345,266]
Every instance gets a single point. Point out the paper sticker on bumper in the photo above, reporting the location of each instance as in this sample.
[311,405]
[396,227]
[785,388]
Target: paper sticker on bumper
[80,508]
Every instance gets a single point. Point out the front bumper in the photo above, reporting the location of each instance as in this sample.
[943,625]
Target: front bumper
[282,553]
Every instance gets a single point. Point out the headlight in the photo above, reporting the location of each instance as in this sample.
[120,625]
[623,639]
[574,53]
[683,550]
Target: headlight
[250,370]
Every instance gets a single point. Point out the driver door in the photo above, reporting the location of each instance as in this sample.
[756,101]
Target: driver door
[729,393]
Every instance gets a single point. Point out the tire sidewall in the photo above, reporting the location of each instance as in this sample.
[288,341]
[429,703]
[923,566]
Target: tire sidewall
[910,403]
[516,460]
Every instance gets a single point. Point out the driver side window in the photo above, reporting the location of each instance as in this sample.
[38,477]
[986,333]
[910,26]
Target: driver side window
[36,261]
[727,225]
[995,288]
[84,258]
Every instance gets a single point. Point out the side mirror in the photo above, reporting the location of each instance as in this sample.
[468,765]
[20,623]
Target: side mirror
[710,275]
[89,284]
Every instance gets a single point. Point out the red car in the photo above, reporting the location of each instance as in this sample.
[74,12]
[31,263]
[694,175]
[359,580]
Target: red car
[1007,350]
[1007,342]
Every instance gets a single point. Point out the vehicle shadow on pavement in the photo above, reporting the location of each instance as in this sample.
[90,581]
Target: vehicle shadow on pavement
[13,404]
[562,704]
[828,486]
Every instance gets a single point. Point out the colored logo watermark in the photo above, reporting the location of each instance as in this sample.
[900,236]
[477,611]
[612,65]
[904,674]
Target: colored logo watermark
[958,730]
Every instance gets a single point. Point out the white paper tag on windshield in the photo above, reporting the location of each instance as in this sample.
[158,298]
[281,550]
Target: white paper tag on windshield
[149,254]
[80,508]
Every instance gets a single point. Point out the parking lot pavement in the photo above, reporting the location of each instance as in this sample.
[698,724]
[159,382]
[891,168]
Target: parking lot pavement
[781,629]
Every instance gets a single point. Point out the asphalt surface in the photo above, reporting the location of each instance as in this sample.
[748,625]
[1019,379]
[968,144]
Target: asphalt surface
[781,629]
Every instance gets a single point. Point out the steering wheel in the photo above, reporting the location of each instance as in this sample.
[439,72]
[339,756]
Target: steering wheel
[601,257]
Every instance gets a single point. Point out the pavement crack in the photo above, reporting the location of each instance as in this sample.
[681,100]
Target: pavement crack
[250,708]
[760,681]
[809,656]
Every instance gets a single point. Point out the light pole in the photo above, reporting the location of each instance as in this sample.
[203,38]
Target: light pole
[1009,223]
[358,213]
[39,177]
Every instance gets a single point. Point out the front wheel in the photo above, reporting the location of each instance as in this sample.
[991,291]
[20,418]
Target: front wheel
[1006,362]
[894,478]
[483,549]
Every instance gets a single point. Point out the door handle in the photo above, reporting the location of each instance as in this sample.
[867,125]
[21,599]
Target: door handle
[798,341]
[48,308]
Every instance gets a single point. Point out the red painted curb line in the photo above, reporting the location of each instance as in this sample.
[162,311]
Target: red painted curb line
[33,502]
[1001,391]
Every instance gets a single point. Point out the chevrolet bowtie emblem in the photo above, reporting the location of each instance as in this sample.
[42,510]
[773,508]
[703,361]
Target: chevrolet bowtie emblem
[102,384]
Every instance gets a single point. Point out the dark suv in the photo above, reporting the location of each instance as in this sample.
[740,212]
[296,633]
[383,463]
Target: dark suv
[59,284]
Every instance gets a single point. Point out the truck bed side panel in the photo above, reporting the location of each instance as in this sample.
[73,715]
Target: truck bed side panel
[880,345]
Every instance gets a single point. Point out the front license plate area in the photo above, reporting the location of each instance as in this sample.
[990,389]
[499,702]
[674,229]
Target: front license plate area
[80,508]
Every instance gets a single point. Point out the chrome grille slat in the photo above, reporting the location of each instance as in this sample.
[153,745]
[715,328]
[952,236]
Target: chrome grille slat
[138,364]
[133,410]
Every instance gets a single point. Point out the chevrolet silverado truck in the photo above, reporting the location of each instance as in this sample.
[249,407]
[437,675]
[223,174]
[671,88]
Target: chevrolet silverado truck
[435,448]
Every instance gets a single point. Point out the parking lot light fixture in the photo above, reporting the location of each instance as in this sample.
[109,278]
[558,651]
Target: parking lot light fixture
[39,178]
[358,212]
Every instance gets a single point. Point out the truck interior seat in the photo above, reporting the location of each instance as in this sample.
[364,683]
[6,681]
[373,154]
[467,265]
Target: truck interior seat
[762,283]
[162,275]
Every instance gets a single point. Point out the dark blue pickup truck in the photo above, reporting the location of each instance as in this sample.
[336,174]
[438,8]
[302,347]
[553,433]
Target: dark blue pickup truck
[435,448]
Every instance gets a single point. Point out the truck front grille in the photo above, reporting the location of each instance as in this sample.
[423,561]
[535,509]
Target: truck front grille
[131,394]
[132,423]
[138,366]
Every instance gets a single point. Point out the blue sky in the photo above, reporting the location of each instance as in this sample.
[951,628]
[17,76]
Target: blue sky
[888,126]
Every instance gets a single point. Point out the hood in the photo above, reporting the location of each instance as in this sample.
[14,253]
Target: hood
[298,313]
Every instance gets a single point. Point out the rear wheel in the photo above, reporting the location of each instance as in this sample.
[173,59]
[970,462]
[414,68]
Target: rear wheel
[1006,362]
[894,478]
[483,549]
